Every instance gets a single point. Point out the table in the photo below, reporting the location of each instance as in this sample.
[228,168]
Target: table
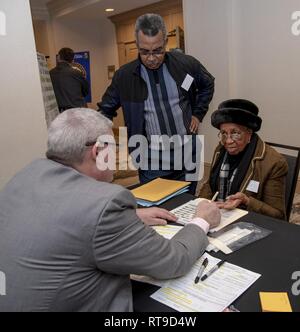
[276,258]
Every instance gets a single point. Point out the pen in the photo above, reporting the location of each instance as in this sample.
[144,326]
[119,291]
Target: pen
[215,196]
[210,272]
[202,267]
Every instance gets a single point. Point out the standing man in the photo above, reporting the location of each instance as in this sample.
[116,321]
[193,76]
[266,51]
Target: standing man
[162,94]
[70,86]
[70,239]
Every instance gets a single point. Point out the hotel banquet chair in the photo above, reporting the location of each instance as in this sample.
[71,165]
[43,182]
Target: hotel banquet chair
[292,156]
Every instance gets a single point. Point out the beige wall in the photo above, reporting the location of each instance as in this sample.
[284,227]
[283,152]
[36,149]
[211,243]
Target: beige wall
[22,118]
[41,36]
[250,49]
[44,39]
[206,37]
[95,36]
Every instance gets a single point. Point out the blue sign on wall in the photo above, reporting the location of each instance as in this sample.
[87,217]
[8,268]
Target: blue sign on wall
[82,62]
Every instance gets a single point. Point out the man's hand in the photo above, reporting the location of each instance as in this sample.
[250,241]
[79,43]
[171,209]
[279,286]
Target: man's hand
[155,216]
[194,125]
[234,201]
[209,212]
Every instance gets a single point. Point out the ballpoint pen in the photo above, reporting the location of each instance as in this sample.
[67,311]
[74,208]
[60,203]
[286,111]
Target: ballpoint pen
[210,272]
[202,267]
[215,196]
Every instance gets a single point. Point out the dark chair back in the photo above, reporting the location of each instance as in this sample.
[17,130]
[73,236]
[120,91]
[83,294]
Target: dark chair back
[292,156]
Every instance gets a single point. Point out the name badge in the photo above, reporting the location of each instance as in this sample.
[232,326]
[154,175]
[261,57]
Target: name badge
[187,82]
[253,186]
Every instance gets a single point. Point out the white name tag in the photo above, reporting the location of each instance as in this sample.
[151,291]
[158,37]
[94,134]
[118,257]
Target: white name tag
[187,82]
[253,186]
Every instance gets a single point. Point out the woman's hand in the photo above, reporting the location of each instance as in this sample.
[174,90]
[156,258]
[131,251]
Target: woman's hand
[234,201]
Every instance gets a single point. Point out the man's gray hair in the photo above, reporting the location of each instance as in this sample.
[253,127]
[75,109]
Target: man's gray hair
[69,133]
[150,25]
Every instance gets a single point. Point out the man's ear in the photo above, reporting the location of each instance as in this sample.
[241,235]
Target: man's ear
[95,151]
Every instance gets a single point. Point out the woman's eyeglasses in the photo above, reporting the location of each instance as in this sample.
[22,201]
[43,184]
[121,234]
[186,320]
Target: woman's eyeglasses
[235,136]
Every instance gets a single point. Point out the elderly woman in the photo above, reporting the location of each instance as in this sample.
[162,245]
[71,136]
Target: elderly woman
[245,171]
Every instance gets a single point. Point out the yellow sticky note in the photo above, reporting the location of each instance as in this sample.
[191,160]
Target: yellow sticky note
[275,302]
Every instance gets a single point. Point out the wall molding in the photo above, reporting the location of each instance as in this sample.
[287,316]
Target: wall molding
[39,11]
[59,8]
[166,6]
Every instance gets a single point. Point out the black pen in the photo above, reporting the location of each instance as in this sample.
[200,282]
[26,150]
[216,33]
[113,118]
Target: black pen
[210,272]
[202,268]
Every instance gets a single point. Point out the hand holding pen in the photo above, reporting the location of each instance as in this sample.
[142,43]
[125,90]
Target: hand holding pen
[202,268]
[215,196]
[209,212]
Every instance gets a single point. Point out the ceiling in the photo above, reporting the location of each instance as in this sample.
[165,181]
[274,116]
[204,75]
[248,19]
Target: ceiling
[96,10]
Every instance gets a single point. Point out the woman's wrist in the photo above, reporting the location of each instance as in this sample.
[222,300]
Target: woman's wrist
[246,200]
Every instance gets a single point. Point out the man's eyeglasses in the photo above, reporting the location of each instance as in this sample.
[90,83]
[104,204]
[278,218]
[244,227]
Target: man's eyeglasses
[235,136]
[90,143]
[156,52]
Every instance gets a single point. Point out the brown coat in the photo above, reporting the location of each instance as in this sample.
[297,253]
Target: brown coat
[269,168]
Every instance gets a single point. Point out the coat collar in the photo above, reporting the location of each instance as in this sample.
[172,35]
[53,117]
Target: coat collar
[138,62]
[259,154]
[63,64]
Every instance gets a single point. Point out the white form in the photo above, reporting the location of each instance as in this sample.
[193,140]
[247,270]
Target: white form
[185,214]
[167,231]
[215,244]
[214,294]
[148,280]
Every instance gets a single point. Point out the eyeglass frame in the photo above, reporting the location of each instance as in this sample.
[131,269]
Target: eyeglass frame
[238,136]
[157,52]
[90,143]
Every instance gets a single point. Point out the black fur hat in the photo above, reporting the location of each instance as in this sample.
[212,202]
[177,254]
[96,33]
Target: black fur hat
[239,111]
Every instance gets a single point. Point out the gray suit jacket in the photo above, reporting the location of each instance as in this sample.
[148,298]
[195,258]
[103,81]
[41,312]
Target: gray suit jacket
[69,243]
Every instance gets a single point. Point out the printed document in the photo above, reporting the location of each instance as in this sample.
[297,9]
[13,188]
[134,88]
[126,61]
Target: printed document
[167,231]
[214,294]
[185,214]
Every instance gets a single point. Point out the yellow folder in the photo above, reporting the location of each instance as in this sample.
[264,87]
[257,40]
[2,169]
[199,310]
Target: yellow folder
[158,189]
[275,302]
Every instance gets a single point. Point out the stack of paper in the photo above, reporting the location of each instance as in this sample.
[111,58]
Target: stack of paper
[158,191]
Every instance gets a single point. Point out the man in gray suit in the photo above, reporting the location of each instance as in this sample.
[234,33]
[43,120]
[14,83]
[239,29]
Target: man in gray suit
[69,242]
